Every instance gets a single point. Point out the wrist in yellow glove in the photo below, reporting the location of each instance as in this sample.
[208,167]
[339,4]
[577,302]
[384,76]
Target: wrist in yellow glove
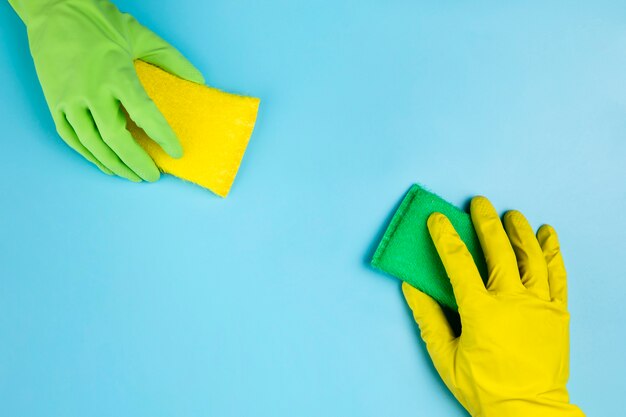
[512,357]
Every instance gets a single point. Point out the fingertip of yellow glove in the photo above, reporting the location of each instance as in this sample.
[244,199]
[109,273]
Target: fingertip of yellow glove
[479,201]
[549,241]
[435,218]
[436,221]
[482,211]
[439,225]
[514,217]
[515,223]
[545,233]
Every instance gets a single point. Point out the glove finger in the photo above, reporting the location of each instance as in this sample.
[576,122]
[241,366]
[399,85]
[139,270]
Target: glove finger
[68,135]
[456,259]
[88,134]
[147,116]
[530,260]
[151,48]
[557,277]
[501,262]
[111,122]
[434,327]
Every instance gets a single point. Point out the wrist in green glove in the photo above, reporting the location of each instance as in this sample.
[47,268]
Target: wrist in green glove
[84,52]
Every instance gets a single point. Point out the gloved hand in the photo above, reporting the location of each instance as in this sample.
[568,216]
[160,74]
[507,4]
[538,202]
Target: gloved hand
[84,52]
[512,357]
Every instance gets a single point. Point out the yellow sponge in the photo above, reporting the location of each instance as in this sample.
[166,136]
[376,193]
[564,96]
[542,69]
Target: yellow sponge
[213,127]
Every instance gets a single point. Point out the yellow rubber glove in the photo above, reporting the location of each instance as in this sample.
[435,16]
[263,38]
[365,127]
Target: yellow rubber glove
[512,357]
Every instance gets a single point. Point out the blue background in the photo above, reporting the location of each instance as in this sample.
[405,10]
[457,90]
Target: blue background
[118,299]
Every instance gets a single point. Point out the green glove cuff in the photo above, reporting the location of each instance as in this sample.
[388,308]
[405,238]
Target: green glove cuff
[27,9]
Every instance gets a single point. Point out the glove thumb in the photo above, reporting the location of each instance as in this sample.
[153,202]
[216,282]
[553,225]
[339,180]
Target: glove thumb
[434,327]
[151,48]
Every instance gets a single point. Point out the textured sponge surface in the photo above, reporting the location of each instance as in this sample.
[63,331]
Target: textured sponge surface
[214,128]
[406,250]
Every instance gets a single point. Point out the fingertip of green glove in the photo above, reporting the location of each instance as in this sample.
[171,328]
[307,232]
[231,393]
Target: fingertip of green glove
[175,149]
[195,76]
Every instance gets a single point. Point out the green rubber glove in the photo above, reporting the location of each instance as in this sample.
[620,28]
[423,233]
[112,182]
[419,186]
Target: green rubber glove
[84,52]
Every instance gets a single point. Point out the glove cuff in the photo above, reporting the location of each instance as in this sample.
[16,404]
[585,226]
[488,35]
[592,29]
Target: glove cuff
[27,9]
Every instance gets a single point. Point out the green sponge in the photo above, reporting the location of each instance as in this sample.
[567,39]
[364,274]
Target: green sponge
[406,250]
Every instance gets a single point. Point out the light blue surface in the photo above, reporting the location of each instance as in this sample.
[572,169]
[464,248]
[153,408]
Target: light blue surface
[119,299]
